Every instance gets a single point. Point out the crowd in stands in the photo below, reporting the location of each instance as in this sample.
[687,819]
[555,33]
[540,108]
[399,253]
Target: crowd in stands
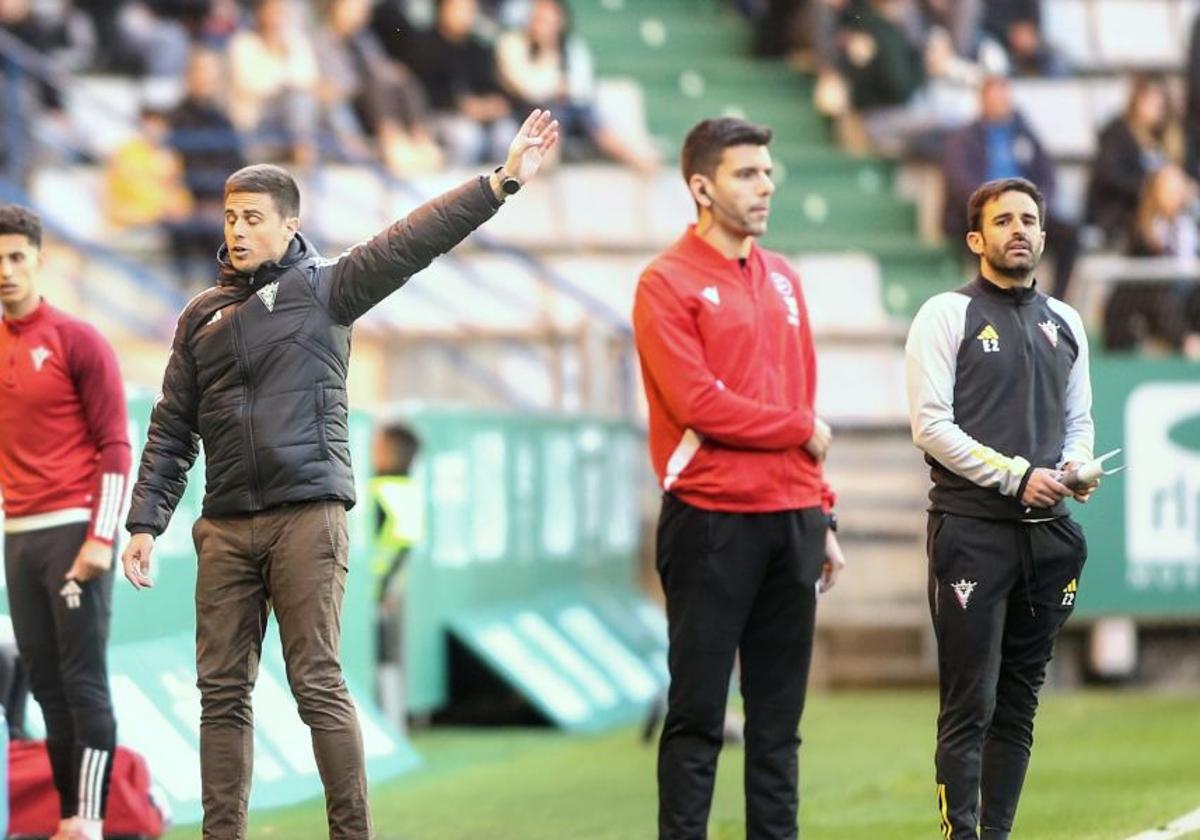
[381,82]
[930,79]
[222,82]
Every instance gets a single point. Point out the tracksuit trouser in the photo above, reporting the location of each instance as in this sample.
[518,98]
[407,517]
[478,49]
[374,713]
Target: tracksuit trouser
[736,584]
[62,634]
[999,592]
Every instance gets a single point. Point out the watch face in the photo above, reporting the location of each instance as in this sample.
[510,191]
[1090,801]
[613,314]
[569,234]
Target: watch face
[510,185]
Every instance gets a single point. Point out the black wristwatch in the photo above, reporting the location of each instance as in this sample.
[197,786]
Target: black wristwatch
[831,521]
[508,184]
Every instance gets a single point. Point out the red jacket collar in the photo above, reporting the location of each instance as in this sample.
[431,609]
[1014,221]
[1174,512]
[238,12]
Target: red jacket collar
[694,247]
[17,325]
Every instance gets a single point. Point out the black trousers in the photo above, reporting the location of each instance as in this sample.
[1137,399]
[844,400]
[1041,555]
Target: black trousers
[62,634]
[735,583]
[999,593]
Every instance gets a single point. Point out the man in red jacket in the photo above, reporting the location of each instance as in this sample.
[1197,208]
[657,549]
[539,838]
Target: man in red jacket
[746,535]
[64,461]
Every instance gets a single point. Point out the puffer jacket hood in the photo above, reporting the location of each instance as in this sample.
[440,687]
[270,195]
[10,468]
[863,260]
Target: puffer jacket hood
[298,249]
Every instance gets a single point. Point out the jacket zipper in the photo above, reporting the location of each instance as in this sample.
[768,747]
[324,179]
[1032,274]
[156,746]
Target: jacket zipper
[239,350]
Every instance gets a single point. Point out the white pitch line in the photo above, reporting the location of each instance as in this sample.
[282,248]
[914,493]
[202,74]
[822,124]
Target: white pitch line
[1177,828]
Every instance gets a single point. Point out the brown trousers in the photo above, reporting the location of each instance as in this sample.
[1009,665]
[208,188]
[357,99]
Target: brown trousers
[291,559]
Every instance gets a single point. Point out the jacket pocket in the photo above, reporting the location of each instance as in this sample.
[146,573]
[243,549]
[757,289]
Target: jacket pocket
[322,436]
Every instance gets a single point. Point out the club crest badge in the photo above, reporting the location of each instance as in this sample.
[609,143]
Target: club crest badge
[963,590]
[1050,330]
[267,295]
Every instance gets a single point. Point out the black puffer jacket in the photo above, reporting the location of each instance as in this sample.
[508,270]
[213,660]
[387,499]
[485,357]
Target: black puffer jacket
[258,369]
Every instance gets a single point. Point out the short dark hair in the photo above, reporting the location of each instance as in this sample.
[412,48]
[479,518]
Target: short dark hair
[997,188]
[708,140]
[22,221]
[270,179]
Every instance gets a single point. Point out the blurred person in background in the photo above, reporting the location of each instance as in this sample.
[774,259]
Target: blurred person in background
[370,101]
[1191,117]
[1159,317]
[904,76]
[1131,147]
[33,106]
[1017,26]
[746,537]
[273,77]
[1000,399]
[547,65]
[257,374]
[143,178]
[1001,144]
[472,114]
[207,144]
[64,459]
[151,42]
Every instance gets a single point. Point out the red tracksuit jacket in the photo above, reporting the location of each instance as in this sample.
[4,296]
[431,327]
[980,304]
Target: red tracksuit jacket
[64,430]
[730,377]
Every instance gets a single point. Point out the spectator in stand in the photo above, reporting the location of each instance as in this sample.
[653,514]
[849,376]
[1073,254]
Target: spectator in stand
[144,184]
[472,115]
[209,148]
[1017,25]
[369,100]
[396,33]
[1132,146]
[150,42]
[223,21]
[1001,144]
[547,66]
[1191,124]
[29,103]
[274,83]
[1158,316]
[904,76]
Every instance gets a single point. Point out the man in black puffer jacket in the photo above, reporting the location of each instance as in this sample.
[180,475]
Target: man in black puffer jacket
[258,374]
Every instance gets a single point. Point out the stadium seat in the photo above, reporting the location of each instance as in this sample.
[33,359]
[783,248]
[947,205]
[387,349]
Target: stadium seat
[843,294]
[861,386]
[1068,27]
[72,195]
[1059,112]
[1107,97]
[1138,33]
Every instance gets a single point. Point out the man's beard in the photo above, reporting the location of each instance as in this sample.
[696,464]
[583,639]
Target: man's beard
[997,259]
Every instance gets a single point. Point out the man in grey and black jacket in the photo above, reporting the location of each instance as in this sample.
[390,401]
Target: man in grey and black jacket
[257,373]
[1000,400]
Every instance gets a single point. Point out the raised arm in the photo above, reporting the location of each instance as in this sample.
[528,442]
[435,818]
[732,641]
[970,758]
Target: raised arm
[370,271]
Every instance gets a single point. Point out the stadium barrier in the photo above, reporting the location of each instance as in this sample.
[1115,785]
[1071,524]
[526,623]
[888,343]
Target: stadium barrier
[531,532]
[1143,525]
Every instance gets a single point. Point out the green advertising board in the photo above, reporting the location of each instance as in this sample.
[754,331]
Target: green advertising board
[1143,525]
[531,531]
[152,661]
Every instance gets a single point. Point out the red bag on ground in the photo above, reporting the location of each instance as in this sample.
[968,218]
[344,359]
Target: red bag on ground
[33,799]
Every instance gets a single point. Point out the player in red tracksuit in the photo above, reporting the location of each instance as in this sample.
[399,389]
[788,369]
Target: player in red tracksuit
[746,535]
[64,465]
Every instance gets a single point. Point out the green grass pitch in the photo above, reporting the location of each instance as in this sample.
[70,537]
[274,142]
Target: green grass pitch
[1106,765]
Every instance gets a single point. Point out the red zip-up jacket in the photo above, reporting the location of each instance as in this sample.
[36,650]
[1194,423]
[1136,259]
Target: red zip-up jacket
[64,429]
[730,377]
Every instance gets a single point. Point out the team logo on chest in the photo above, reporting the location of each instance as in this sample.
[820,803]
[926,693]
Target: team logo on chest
[710,294]
[784,286]
[1050,330]
[990,339]
[39,355]
[267,294]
